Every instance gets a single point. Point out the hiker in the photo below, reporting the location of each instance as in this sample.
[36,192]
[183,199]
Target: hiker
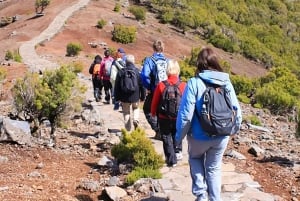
[95,72]
[117,65]
[167,124]
[153,71]
[123,53]
[105,74]
[205,151]
[129,90]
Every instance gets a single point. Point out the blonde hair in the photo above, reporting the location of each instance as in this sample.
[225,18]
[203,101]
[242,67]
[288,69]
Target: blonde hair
[173,67]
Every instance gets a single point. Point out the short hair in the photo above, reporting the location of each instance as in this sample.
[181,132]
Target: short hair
[158,46]
[106,52]
[130,59]
[173,67]
[207,60]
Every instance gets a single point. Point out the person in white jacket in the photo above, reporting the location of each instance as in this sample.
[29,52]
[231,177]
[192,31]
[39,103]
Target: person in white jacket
[117,65]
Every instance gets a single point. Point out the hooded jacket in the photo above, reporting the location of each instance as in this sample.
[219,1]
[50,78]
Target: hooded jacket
[187,122]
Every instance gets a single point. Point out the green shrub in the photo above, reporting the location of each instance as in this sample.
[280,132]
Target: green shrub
[9,55]
[138,173]
[244,99]
[13,55]
[242,84]
[138,12]
[3,73]
[101,23]
[73,49]
[253,120]
[124,34]
[136,148]
[76,67]
[47,97]
[117,7]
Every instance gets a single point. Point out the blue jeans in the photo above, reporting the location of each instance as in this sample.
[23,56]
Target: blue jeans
[205,159]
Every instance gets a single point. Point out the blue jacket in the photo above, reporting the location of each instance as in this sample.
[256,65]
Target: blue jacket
[187,122]
[148,73]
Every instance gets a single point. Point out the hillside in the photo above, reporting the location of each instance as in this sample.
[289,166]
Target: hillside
[81,28]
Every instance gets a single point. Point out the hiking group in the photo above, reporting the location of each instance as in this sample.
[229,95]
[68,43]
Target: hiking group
[205,110]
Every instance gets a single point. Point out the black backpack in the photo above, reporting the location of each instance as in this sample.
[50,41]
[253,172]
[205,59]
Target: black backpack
[217,116]
[129,80]
[170,100]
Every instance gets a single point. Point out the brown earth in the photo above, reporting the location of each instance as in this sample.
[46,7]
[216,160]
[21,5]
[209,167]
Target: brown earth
[62,168]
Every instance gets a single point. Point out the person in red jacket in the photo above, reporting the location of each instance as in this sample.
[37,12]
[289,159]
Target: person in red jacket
[167,124]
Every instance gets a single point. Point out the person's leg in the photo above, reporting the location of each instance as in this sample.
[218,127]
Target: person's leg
[166,136]
[197,151]
[126,115]
[106,85]
[136,114]
[213,165]
[147,111]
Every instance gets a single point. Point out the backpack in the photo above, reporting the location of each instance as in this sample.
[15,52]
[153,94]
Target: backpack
[129,80]
[170,100]
[161,69]
[107,67]
[96,70]
[217,116]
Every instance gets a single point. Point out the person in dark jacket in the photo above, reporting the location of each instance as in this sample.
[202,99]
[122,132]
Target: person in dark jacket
[96,80]
[130,100]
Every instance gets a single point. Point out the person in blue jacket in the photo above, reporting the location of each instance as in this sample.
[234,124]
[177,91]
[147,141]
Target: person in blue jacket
[205,152]
[153,71]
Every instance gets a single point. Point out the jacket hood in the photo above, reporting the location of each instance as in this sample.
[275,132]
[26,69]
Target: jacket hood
[214,77]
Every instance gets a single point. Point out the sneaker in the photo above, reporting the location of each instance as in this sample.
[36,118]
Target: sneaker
[135,124]
[179,156]
[172,165]
[116,106]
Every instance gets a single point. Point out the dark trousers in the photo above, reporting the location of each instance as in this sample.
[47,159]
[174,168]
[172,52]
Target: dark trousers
[97,86]
[107,89]
[168,131]
[147,111]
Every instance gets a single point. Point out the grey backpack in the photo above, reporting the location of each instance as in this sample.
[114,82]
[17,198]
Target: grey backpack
[217,115]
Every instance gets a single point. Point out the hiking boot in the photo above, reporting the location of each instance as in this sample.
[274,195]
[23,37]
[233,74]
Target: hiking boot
[179,156]
[135,124]
[157,135]
[116,106]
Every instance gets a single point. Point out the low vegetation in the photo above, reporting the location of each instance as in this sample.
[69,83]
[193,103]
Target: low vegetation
[124,34]
[101,23]
[47,97]
[73,49]
[135,148]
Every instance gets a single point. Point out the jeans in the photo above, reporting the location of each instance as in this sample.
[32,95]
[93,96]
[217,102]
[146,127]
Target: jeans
[205,159]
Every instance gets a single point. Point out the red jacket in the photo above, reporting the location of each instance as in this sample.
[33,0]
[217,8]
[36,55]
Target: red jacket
[172,79]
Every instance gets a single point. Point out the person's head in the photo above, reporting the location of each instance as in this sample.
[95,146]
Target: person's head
[207,60]
[158,46]
[130,59]
[106,52]
[117,55]
[173,67]
[97,59]
[121,50]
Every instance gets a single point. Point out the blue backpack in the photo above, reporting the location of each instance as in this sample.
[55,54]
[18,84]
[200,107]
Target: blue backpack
[217,115]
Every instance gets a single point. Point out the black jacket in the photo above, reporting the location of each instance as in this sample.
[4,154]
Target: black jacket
[140,92]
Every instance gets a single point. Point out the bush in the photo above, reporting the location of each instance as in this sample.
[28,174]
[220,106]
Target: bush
[136,148]
[124,34]
[101,23]
[117,7]
[73,49]
[9,55]
[13,55]
[47,97]
[254,120]
[138,12]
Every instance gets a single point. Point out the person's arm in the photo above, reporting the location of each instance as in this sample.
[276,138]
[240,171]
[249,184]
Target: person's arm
[146,73]
[156,98]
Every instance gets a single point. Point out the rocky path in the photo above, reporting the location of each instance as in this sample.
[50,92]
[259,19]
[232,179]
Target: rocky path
[176,182]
